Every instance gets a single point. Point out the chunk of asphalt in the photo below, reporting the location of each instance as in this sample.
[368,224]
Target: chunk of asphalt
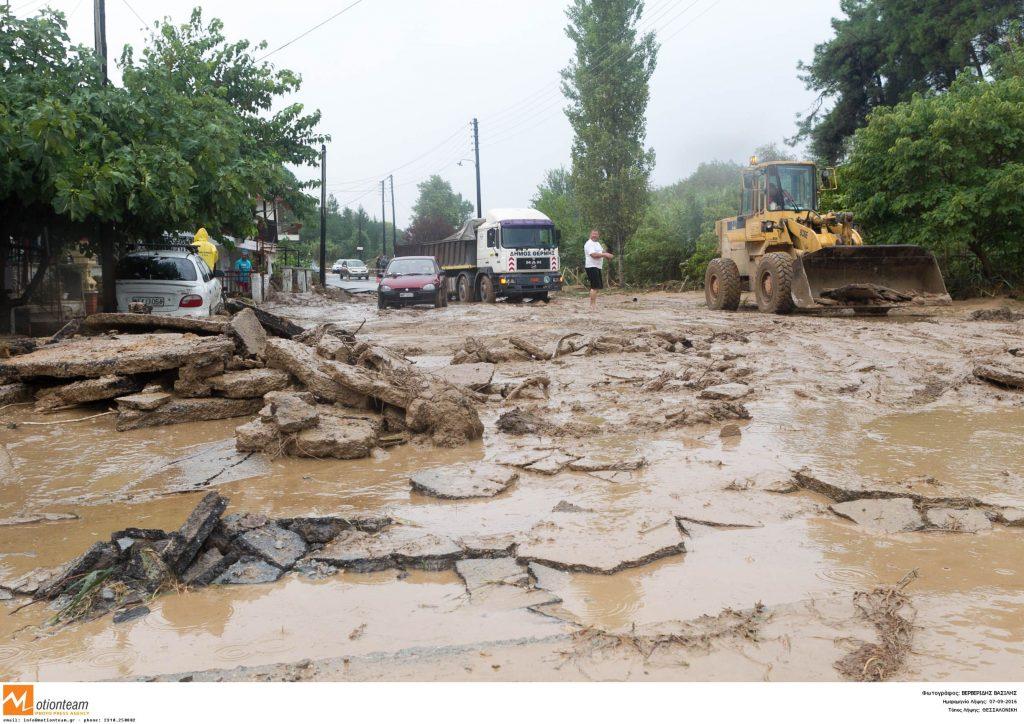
[274,544]
[470,480]
[183,547]
[250,570]
[480,572]
[131,614]
[885,515]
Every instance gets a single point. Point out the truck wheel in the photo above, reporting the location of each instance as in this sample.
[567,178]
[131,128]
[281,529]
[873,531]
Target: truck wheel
[722,285]
[773,284]
[463,290]
[487,293]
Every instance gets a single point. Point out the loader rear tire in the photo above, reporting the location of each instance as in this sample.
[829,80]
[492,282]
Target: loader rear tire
[722,285]
[773,283]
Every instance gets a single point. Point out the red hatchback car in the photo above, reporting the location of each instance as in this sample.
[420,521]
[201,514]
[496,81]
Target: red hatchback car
[412,280]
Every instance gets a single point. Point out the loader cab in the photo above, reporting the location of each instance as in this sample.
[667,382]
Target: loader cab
[778,186]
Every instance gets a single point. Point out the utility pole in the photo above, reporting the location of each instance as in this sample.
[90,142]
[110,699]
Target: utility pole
[394,228]
[383,224]
[323,215]
[476,151]
[108,267]
[99,19]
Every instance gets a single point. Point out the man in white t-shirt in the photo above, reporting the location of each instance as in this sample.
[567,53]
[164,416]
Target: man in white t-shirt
[594,256]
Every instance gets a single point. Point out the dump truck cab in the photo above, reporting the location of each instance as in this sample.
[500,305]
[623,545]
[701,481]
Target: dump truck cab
[791,255]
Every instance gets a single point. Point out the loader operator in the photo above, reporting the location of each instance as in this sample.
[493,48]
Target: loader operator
[778,197]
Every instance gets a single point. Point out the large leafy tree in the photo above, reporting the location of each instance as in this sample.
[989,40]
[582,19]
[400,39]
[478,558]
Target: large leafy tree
[556,198]
[946,171]
[606,84]
[437,200]
[188,140]
[884,51]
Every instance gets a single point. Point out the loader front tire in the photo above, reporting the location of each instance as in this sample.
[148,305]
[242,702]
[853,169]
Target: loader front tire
[722,285]
[773,283]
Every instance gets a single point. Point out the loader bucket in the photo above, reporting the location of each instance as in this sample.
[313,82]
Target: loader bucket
[867,276]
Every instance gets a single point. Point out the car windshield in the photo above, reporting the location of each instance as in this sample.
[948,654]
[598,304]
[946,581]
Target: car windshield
[527,237]
[410,267]
[355,262]
[157,268]
[791,187]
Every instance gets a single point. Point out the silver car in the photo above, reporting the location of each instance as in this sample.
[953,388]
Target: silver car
[353,269]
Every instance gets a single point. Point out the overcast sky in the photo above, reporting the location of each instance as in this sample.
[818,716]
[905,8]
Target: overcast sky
[398,82]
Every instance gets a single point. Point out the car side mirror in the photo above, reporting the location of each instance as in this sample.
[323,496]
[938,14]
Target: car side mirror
[218,274]
[492,237]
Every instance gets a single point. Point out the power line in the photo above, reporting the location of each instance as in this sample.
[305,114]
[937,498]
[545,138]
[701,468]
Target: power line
[307,32]
[129,6]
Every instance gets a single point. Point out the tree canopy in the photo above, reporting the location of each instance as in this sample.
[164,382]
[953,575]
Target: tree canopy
[946,171]
[884,51]
[606,84]
[438,211]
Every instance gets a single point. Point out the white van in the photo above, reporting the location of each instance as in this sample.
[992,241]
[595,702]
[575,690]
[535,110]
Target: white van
[171,281]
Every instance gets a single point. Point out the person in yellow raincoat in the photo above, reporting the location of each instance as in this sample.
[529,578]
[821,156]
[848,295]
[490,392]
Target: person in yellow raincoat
[207,249]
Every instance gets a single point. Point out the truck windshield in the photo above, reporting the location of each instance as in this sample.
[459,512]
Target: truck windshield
[527,237]
[791,187]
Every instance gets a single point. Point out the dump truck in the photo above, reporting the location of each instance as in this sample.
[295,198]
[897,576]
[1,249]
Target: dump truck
[794,257]
[510,253]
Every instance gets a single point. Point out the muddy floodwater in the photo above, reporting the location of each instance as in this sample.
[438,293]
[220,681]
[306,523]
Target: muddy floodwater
[764,581]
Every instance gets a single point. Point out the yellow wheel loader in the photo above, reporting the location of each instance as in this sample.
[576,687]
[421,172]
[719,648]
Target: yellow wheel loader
[794,257]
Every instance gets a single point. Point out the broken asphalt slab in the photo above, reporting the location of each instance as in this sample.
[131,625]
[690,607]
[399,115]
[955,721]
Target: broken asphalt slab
[884,515]
[600,542]
[395,547]
[278,546]
[123,354]
[470,480]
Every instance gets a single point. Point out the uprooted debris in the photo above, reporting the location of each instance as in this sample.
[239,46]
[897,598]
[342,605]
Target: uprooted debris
[889,610]
[865,294]
[365,395]
[1001,314]
[1001,376]
[517,349]
[915,504]
[698,635]
[408,400]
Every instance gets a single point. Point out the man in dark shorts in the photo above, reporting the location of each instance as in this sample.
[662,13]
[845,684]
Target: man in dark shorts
[594,255]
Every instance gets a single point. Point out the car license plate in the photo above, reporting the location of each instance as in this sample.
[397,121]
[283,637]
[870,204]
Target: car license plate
[405,294]
[150,301]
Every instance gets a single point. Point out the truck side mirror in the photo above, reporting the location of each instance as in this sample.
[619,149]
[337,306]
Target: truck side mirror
[558,236]
[492,237]
[829,181]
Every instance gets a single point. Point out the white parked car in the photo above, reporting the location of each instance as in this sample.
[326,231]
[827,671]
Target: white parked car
[173,281]
[351,269]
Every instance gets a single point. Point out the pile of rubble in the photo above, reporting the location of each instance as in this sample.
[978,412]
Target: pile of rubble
[316,393]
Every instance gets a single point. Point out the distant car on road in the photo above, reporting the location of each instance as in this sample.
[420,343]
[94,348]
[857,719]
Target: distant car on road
[351,269]
[175,282]
[411,280]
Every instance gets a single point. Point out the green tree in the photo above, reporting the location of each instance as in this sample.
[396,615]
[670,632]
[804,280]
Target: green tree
[884,51]
[556,198]
[606,84]
[188,141]
[946,171]
[437,201]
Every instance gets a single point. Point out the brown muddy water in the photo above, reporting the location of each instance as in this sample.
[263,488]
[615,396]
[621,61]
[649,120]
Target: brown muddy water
[850,400]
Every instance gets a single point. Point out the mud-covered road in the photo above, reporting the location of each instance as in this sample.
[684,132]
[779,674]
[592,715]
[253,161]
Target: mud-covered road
[713,510]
